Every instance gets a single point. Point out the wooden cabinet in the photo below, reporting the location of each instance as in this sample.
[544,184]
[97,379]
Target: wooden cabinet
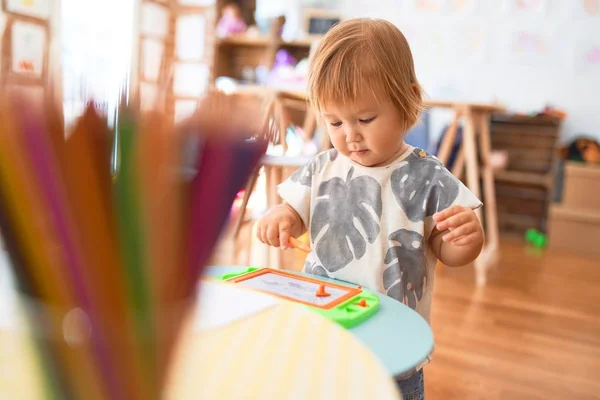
[575,221]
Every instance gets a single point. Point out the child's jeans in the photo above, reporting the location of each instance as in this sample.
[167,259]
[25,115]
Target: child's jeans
[413,388]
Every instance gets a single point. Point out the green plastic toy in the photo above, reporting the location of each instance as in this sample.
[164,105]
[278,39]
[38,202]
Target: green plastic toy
[346,305]
[536,238]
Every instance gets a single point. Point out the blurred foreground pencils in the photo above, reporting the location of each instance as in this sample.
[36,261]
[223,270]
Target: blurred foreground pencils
[108,264]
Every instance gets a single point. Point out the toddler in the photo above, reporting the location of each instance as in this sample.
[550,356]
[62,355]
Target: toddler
[380,213]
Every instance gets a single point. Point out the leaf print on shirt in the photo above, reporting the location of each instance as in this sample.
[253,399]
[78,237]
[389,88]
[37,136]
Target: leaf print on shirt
[337,237]
[305,173]
[315,269]
[406,276]
[422,187]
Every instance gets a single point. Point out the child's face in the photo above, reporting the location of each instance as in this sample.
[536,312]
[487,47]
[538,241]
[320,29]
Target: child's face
[369,133]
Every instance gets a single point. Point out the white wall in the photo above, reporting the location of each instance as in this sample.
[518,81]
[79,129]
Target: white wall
[447,66]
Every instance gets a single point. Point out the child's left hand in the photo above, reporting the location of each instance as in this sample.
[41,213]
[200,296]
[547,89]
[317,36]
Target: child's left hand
[464,226]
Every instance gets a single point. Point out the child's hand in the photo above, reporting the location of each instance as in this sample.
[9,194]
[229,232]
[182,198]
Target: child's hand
[276,227]
[464,226]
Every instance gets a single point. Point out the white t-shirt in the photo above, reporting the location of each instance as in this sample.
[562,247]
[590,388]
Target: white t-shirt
[371,225]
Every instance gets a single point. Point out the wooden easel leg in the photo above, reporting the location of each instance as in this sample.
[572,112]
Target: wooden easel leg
[459,165]
[472,169]
[490,256]
[449,139]
[470,151]
[491,216]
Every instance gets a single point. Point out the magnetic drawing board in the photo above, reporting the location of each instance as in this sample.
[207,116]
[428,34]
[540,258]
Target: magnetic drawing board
[346,305]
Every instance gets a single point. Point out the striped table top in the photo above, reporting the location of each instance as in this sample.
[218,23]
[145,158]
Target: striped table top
[285,352]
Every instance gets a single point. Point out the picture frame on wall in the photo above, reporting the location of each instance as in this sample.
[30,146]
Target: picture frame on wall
[190,80]
[40,9]
[154,20]
[190,37]
[153,52]
[149,96]
[184,109]
[29,48]
[318,21]
[197,3]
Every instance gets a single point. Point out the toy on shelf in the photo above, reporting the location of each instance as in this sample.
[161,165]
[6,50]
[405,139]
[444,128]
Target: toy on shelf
[583,149]
[346,305]
[231,23]
[553,112]
[287,72]
[284,65]
[536,238]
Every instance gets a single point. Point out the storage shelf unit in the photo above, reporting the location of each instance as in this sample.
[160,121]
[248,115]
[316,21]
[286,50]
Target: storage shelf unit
[233,54]
[524,189]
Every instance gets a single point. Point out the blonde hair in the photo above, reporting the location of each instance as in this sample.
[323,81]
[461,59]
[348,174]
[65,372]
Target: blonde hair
[367,54]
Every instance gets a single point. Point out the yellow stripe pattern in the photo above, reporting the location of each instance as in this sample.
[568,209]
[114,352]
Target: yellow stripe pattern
[286,352]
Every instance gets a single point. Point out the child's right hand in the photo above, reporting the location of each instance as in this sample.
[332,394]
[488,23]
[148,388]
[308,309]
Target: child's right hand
[276,227]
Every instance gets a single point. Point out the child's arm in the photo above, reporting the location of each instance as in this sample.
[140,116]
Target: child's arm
[457,238]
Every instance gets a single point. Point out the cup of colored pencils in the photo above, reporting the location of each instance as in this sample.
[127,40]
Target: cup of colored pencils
[108,228]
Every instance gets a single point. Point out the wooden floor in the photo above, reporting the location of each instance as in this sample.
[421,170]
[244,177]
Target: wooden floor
[532,333]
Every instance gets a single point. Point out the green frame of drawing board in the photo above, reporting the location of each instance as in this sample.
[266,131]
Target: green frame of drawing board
[346,311]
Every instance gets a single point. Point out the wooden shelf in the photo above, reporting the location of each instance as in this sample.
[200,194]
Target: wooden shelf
[235,53]
[540,120]
[525,177]
[296,43]
[260,41]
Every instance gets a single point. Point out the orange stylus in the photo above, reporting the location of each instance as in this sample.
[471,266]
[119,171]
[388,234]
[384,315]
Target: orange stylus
[299,245]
